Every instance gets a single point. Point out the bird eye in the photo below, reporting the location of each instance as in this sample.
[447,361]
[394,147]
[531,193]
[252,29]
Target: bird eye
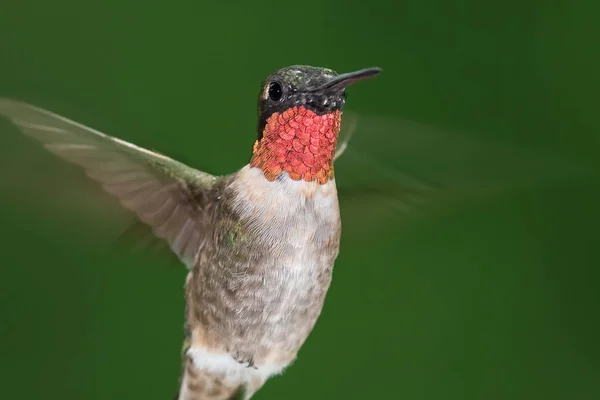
[275,91]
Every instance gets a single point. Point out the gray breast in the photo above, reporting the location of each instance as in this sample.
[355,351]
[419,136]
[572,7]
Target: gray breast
[259,290]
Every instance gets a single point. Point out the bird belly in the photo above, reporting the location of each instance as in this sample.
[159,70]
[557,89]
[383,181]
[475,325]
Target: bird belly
[257,292]
[258,322]
[290,317]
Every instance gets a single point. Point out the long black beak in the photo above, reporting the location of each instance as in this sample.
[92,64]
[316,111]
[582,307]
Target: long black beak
[347,79]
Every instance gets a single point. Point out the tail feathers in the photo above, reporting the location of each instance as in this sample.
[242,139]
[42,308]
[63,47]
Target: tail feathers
[201,385]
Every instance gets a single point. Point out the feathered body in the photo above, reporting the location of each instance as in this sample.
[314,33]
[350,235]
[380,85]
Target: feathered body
[260,281]
[259,244]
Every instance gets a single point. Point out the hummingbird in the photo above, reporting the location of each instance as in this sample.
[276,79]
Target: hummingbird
[260,243]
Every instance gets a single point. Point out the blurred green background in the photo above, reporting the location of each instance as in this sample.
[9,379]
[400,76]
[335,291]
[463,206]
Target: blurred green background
[494,296]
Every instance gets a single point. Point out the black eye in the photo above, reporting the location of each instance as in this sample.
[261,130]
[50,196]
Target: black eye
[275,91]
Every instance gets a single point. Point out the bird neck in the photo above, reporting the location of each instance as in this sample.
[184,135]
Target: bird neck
[299,142]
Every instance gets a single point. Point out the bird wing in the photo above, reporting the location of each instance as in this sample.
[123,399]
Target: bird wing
[394,166]
[159,190]
[348,127]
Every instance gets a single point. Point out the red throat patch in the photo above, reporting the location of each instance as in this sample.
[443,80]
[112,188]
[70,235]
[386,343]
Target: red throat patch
[300,143]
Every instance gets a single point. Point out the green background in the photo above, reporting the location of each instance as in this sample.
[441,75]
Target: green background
[495,295]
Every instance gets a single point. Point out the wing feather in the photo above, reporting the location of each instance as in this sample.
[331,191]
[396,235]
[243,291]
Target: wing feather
[158,189]
[395,167]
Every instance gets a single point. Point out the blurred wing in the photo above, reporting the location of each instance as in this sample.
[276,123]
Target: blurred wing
[160,191]
[348,127]
[394,166]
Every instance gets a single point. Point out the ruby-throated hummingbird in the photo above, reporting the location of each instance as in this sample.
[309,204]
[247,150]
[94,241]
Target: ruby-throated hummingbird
[260,243]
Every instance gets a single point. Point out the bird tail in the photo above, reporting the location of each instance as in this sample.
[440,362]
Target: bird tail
[198,384]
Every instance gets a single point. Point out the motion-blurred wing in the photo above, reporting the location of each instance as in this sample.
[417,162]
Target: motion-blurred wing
[348,127]
[160,191]
[394,166]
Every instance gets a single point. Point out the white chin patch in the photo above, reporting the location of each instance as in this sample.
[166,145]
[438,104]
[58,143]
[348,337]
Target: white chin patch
[224,364]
